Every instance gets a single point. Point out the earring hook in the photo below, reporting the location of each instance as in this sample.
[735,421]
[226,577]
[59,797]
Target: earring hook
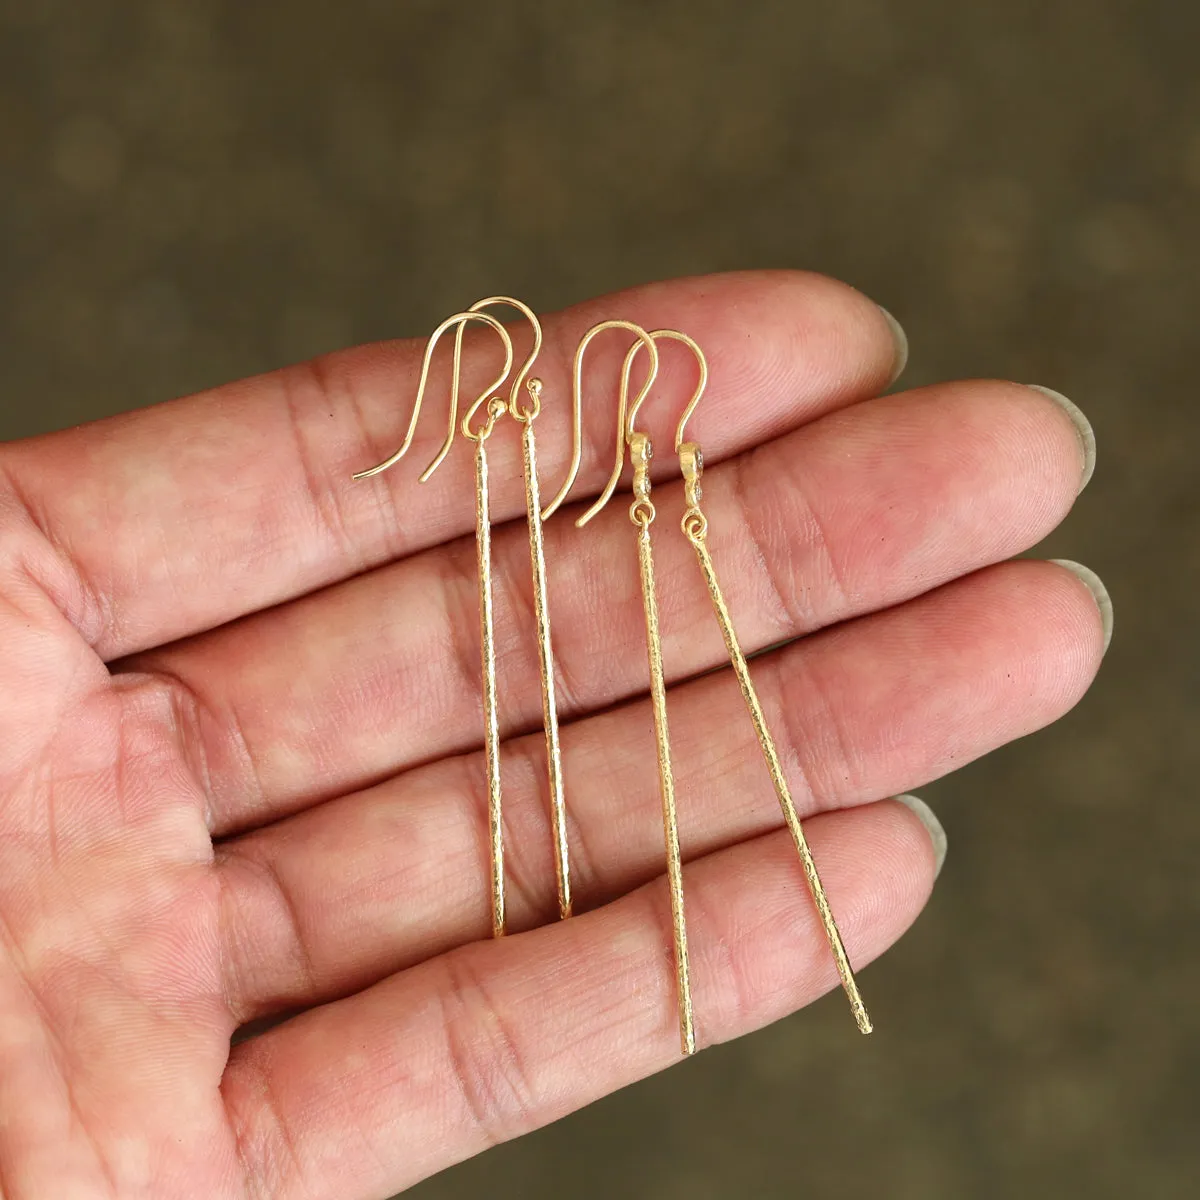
[676,336]
[459,319]
[514,406]
[644,339]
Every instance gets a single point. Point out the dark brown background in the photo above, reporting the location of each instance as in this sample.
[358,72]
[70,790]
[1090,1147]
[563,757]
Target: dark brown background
[194,190]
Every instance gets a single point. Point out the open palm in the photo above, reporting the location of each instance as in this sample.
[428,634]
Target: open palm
[240,766]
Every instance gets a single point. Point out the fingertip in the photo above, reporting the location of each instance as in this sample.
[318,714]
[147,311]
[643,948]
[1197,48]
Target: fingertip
[1083,429]
[932,827]
[900,345]
[1097,591]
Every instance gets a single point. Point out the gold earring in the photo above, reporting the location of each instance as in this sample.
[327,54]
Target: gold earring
[695,528]
[496,407]
[525,417]
[642,514]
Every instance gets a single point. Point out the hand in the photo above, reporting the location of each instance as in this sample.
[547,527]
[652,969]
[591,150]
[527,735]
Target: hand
[271,798]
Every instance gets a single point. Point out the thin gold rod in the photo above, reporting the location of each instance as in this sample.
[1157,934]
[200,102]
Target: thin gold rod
[695,530]
[537,558]
[666,774]
[491,728]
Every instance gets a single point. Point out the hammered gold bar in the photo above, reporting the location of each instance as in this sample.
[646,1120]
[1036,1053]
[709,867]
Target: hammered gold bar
[815,887]
[666,776]
[491,728]
[537,557]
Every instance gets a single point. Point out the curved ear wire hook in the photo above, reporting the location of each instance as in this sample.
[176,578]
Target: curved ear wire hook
[461,320]
[702,362]
[514,392]
[644,339]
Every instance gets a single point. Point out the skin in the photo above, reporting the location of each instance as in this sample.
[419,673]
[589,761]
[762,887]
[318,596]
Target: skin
[241,768]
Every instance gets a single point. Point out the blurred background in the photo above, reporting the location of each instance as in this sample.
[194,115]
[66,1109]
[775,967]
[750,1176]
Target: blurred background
[195,190]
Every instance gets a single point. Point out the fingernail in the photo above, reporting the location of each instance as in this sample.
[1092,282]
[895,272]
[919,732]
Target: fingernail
[1083,427]
[1098,590]
[900,338]
[933,827]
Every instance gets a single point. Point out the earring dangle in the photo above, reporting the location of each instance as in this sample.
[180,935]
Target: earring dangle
[642,514]
[496,407]
[695,529]
[525,415]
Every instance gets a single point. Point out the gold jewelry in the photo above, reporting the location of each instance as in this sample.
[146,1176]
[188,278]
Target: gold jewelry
[525,417]
[496,407]
[642,514]
[695,528]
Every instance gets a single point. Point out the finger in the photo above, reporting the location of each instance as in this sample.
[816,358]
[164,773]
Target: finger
[498,1038]
[339,896]
[183,516]
[853,512]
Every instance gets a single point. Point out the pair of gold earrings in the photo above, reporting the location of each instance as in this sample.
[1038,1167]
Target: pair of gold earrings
[523,404]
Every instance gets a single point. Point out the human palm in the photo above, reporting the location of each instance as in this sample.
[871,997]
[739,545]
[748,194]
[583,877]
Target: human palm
[240,764]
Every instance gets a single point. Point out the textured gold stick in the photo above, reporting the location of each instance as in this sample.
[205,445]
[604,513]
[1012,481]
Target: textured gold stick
[537,556]
[641,513]
[658,695]
[695,527]
[491,729]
